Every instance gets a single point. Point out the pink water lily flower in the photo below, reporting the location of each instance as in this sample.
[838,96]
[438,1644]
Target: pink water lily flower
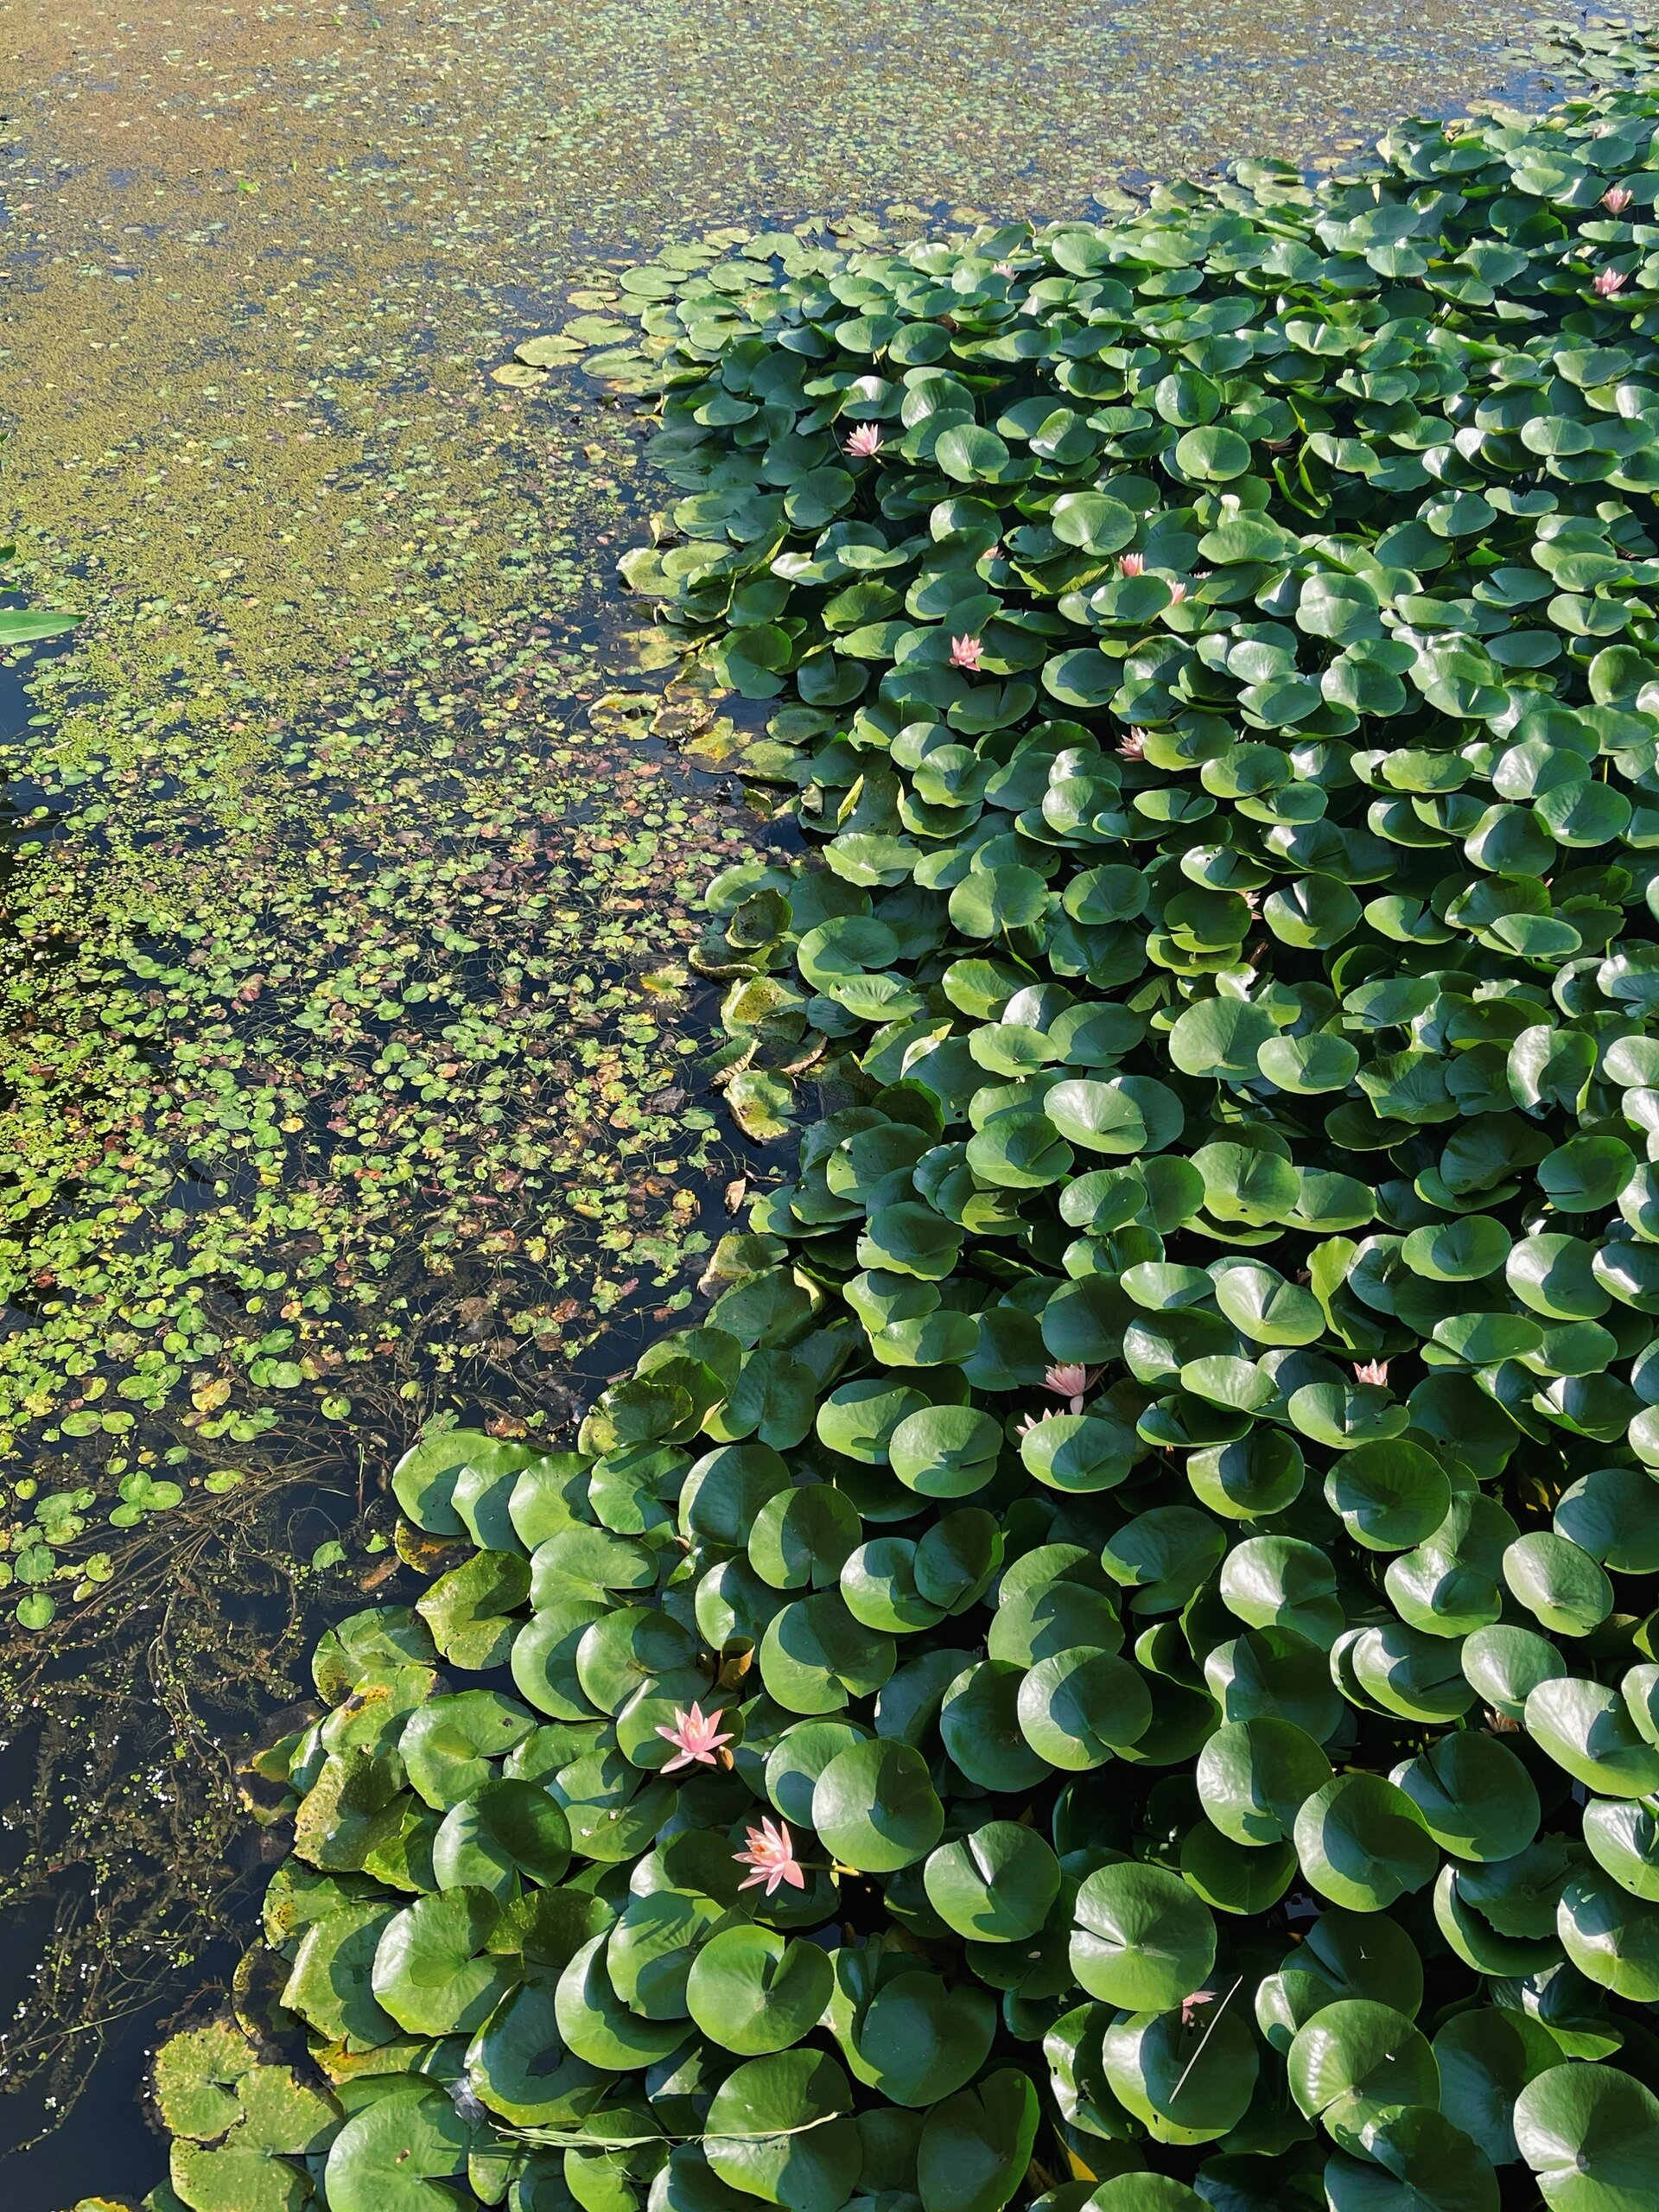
[1072,1379]
[1190,2005]
[772,1854]
[1371,1370]
[1134,746]
[863,442]
[695,1735]
[1177,592]
[1616,198]
[1131,564]
[1610,281]
[965,653]
[1003,268]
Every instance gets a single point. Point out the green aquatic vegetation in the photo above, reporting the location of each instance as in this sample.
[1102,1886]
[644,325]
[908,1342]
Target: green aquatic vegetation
[117,1871]
[28,625]
[261,260]
[1160,1511]
[477,1057]
[346,1068]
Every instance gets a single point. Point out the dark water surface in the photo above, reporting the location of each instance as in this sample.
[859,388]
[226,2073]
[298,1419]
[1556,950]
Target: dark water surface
[328,787]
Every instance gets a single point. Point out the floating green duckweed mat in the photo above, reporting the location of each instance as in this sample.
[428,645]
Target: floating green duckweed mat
[1114,1664]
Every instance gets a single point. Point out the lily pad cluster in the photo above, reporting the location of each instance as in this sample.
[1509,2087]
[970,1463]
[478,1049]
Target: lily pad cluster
[567,1906]
[245,2134]
[1115,1664]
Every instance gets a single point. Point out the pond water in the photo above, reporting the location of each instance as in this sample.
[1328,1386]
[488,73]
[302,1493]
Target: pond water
[349,1058]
